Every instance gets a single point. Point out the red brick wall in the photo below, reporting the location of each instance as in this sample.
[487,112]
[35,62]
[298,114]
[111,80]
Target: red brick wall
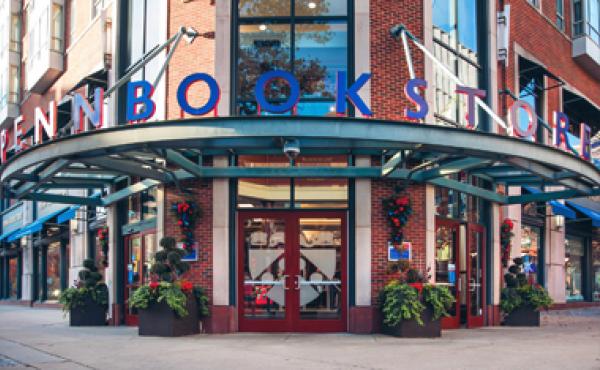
[388,64]
[414,231]
[201,271]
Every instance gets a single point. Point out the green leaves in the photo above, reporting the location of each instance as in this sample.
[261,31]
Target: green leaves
[401,302]
[172,295]
[439,298]
[519,292]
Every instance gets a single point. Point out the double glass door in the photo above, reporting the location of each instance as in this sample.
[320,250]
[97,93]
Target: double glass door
[460,265]
[292,271]
[139,252]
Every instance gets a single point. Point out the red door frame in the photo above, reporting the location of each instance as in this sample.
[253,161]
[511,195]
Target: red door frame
[453,322]
[476,321]
[291,322]
[132,320]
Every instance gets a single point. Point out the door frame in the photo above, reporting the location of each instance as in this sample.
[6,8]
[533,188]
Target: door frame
[132,320]
[453,322]
[476,321]
[292,322]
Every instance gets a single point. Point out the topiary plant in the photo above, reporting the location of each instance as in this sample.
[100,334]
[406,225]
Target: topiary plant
[168,265]
[400,302]
[519,292]
[89,285]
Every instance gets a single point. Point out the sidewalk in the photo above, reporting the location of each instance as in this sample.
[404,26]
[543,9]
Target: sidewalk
[41,338]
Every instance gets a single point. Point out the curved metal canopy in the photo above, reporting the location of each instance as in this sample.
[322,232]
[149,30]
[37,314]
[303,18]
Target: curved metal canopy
[162,152]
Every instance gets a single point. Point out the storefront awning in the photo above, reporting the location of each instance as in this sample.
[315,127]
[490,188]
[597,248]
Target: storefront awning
[6,235]
[68,214]
[557,207]
[583,208]
[35,226]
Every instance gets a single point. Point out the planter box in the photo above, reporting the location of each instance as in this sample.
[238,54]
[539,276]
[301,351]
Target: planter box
[90,314]
[523,316]
[412,329]
[159,320]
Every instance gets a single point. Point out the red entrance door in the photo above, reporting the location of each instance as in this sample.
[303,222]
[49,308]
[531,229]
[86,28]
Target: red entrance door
[475,260]
[139,251]
[292,271]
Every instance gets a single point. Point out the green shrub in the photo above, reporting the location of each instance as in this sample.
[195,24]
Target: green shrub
[89,285]
[519,292]
[439,298]
[400,302]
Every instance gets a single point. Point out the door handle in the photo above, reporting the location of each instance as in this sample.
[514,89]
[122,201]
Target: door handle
[285,287]
[297,282]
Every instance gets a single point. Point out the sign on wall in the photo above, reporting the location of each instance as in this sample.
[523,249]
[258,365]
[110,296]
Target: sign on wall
[403,254]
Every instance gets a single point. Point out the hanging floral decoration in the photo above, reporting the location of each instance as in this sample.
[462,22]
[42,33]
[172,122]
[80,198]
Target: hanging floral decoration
[187,213]
[397,210]
[103,238]
[506,236]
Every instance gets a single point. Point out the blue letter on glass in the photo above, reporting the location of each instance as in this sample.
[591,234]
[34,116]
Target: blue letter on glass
[351,93]
[133,100]
[291,101]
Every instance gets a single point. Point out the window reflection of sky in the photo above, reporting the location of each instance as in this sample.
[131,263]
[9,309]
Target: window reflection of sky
[444,17]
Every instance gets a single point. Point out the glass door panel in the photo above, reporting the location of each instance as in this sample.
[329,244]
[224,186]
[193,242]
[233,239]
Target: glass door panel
[446,266]
[134,266]
[265,275]
[319,281]
[150,248]
[475,275]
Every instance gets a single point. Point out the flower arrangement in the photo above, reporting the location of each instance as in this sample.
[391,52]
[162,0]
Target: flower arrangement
[506,236]
[187,213]
[519,292]
[397,210]
[89,285]
[167,285]
[103,238]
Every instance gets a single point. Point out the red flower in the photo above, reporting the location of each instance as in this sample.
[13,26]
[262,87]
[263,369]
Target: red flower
[187,286]
[180,222]
[153,285]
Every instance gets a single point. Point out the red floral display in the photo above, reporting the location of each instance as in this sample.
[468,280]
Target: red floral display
[397,209]
[153,284]
[187,213]
[506,236]
[187,286]
[103,239]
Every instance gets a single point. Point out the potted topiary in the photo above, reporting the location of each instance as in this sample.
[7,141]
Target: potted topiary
[521,301]
[87,301]
[414,309]
[169,306]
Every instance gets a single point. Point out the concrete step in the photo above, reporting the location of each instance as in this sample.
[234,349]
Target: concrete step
[569,317]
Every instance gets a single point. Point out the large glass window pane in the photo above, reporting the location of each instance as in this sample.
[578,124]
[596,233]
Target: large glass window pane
[149,205]
[467,25]
[574,262]
[264,193]
[321,7]
[264,8]
[530,249]
[13,278]
[320,193]
[446,260]
[444,20]
[53,271]
[264,268]
[320,52]
[57,27]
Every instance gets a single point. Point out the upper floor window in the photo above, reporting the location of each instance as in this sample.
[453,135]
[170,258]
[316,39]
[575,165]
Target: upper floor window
[456,44]
[15,33]
[586,19]
[97,7]
[57,30]
[308,38]
[535,3]
[560,14]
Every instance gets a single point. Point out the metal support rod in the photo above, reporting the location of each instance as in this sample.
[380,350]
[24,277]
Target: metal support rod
[411,70]
[169,57]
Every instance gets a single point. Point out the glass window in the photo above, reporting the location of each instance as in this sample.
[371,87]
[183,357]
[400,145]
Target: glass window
[13,89]
[320,193]
[97,8]
[72,21]
[13,277]
[560,14]
[574,262]
[596,269]
[15,33]
[311,42]
[57,28]
[530,251]
[142,206]
[53,271]
[455,30]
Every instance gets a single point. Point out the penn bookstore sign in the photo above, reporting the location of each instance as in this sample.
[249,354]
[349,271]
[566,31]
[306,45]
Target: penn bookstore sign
[140,107]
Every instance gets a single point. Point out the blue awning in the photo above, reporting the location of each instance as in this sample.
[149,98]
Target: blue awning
[7,234]
[68,214]
[557,207]
[594,215]
[35,226]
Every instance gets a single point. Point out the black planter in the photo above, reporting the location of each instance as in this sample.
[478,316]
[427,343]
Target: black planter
[161,321]
[90,313]
[523,316]
[412,329]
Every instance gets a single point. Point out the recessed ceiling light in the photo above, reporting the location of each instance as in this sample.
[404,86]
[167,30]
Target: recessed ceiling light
[312,5]
[262,27]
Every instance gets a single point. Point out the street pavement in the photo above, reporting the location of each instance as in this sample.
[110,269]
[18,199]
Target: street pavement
[41,338]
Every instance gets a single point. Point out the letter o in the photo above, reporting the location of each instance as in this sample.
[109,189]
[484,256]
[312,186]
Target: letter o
[213,99]
[288,105]
[514,119]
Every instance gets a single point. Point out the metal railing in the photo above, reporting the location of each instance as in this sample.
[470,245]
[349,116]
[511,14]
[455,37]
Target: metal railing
[585,28]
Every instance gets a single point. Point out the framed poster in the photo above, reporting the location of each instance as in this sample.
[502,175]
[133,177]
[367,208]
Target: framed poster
[192,256]
[405,254]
